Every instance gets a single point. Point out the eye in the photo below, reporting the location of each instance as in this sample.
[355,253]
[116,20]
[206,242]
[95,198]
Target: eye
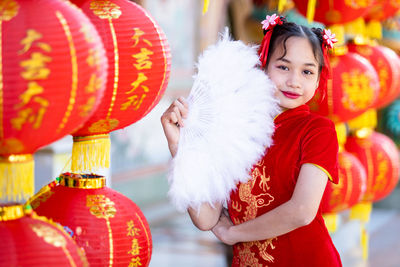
[308,72]
[282,67]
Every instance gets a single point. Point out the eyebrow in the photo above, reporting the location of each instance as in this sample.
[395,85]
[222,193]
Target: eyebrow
[306,64]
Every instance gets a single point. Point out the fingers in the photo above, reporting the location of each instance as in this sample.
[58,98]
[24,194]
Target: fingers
[176,112]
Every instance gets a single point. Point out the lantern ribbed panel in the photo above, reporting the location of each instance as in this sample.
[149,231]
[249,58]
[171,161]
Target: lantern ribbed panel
[53,70]
[379,156]
[107,225]
[336,11]
[353,89]
[387,66]
[139,65]
[34,241]
[351,186]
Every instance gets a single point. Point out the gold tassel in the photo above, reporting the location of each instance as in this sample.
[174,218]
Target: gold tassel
[374,29]
[364,240]
[311,10]
[281,5]
[331,221]
[205,6]
[362,211]
[16,177]
[90,153]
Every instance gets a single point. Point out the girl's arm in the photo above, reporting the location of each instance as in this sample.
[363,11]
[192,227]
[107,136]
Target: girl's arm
[172,120]
[299,211]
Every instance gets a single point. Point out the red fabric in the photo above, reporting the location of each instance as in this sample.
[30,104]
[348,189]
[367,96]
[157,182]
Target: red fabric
[300,137]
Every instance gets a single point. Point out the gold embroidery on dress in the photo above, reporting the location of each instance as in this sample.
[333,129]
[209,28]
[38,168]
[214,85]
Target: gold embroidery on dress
[245,255]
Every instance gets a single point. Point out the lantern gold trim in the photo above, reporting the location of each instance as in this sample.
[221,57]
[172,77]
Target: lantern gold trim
[85,181]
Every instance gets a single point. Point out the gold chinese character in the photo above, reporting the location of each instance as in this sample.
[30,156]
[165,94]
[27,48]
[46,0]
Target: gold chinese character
[133,101]
[33,89]
[357,92]
[132,230]
[136,36]
[86,108]
[101,206]
[141,78]
[93,58]
[142,59]
[35,67]
[27,115]
[87,32]
[135,248]
[31,37]
[135,262]
[94,84]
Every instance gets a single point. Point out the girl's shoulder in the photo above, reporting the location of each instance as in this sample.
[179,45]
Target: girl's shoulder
[317,121]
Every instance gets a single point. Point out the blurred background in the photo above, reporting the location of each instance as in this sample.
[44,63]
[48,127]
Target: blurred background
[140,156]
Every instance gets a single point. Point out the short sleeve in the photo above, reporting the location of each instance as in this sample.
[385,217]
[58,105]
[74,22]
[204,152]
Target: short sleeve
[320,147]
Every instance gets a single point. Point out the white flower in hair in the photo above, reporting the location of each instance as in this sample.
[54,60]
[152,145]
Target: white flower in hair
[228,127]
[270,21]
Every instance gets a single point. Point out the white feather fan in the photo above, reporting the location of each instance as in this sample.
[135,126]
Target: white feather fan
[228,127]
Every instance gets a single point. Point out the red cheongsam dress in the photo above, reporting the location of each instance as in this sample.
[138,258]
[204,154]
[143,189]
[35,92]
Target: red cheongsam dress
[300,137]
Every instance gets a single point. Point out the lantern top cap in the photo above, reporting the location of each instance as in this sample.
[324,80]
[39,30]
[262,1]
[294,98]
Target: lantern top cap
[82,181]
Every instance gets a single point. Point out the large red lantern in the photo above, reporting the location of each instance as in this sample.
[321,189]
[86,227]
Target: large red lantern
[139,65]
[380,158]
[387,65]
[335,12]
[31,240]
[52,76]
[107,225]
[383,9]
[351,186]
[353,89]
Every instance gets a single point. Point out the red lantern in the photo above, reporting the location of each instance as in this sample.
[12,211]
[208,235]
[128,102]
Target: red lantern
[387,65]
[351,187]
[380,158]
[383,9]
[353,89]
[52,77]
[108,225]
[31,240]
[139,66]
[336,12]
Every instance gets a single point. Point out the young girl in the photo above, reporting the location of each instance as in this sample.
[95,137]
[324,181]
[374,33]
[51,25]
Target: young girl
[274,219]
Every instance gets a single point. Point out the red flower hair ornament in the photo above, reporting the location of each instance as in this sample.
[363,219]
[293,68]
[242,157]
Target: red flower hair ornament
[268,25]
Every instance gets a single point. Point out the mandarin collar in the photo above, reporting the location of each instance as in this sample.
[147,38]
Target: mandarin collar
[292,113]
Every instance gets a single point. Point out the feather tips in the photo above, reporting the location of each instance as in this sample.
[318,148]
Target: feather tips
[228,127]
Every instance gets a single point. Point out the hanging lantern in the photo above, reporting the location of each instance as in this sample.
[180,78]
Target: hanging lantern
[387,66]
[353,89]
[52,77]
[139,65]
[31,240]
[107,225]
[379,156]
[351,186]
[333,12]
[383,9]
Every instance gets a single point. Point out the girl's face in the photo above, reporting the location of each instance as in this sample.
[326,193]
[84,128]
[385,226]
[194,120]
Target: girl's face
[296,74]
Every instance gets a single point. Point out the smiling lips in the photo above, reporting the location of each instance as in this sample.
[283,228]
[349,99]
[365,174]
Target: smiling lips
[290,95]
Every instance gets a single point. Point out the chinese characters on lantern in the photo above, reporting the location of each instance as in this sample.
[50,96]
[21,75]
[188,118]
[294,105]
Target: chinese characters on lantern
[32,105]
[142,62]
[353,83]
[134,232]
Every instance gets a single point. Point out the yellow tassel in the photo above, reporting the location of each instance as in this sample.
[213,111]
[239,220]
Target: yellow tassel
[311,10]
[364,240]
[374,29]
[367,120]
[281,5]
[341,132]
[331,221]
[205,6]
[356,30]
[361,211]
[340,47]
[90,153]
[16,177]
